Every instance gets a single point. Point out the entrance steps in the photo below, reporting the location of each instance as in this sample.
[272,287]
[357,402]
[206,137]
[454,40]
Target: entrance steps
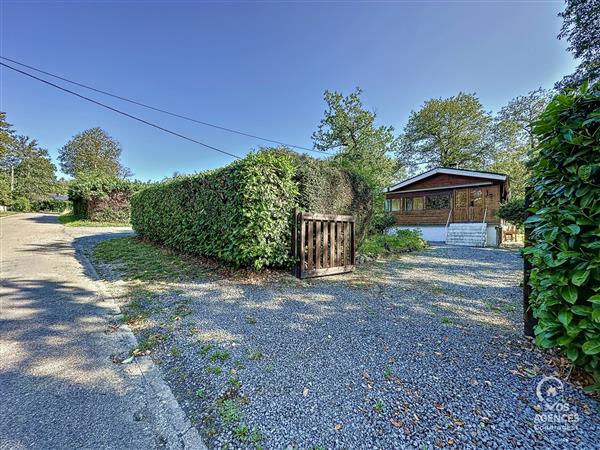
[467,234]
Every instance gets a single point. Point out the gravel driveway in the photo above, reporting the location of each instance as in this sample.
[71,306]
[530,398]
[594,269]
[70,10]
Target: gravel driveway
[423,351]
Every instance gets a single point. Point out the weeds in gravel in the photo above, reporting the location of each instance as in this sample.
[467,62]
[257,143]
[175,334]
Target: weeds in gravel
[180,312]
[149,343]
[205,349]
[215,370]
[388,373]
[229,411]
[175,352]
[378,406]
[446,320]
[255,355]
[239,364]
[234,383]
[246,435]
[219,356]
[251,320]
[200,393]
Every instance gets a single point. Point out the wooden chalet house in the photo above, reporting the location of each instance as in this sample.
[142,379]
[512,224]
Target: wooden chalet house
[456,206]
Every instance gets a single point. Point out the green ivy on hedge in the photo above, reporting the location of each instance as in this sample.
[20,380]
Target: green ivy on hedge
[565,251]
[240,214]
[326,188]
[90,187]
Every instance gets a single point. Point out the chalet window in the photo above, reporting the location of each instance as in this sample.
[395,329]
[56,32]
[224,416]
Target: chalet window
[396,204]
[440,201]
[387,204]
[413,203]
[418,203]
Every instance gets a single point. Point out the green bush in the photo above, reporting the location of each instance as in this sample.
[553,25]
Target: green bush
[50,205]
[513,211]
[240,214]
[400,242]
[22,204]
[565,250]
[102,198]
[326,188]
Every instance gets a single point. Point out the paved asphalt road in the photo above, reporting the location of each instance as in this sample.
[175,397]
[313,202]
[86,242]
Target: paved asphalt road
[59,388]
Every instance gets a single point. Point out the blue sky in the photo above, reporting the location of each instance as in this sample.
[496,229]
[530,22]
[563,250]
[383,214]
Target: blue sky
[262,67]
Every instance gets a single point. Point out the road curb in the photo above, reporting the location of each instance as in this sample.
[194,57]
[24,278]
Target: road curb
[170,414]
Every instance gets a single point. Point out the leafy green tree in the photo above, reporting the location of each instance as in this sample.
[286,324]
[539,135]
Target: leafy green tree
[514,137]
[33,170]
[92,151]
[35,178]
[451,132]
[6,135]
[5,194]
[362,146]
[581,28]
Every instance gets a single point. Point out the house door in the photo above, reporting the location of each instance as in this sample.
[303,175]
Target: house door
[461,205]
[476,205]
[469,205]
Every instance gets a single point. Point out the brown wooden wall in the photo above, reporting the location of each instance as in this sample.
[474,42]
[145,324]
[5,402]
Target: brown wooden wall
[491,195]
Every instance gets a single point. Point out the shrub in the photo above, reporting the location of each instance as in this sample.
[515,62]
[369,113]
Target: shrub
[326,188]
[51,205]
[22,204]
[513,211]
[240,214]
[102,198]
[565,250]
[400,242]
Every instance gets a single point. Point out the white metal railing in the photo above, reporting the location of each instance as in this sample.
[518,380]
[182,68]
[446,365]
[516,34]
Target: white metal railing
[448,222]
[483,227]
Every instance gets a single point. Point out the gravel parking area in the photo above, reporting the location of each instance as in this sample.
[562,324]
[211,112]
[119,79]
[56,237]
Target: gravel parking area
[422,351]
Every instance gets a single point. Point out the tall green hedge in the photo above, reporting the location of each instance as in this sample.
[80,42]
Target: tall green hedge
[240,214]
[565,254]
[326,188]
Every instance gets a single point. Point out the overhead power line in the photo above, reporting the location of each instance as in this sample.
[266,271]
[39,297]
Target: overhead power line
[120,112]
[170,113]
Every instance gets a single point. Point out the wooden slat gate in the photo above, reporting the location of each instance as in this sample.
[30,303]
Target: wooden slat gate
[323,244]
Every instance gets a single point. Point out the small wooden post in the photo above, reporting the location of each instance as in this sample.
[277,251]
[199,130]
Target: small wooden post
[295,242]
[529,321]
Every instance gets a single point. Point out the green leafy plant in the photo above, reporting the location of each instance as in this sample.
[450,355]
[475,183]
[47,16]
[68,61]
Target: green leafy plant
[513,211]
[51,205]
[102,198]
[22,204]
[565,250]
[401,241]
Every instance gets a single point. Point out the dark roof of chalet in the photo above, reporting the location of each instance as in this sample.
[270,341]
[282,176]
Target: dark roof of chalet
[450,171]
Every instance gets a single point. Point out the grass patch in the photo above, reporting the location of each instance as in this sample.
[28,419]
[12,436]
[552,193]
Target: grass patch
[8,213]
[139,260]
[68,220]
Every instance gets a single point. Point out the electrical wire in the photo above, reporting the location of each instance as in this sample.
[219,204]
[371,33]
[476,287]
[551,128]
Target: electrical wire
[121,112]
[164,111]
